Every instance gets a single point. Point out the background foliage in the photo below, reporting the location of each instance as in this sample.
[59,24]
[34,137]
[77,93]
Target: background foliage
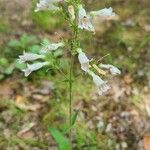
[125,42]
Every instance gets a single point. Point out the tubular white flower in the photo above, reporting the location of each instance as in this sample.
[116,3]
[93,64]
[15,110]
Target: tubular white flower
[34,67]
[47,5]
[29,57]
[84,20]
[102,86]
[51,47]
[113,70]
[106,12]
[84,61]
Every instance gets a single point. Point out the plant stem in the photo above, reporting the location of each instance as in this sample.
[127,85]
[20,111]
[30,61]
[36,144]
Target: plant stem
[73,46]
[70,92]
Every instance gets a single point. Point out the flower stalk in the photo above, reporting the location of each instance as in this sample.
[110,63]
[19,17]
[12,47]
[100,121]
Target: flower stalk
[73,46]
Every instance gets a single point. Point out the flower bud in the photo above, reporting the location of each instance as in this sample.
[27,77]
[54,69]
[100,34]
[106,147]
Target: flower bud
[71,12]
[113,70]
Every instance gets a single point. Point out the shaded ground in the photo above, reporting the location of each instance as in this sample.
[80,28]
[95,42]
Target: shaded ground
[119,120]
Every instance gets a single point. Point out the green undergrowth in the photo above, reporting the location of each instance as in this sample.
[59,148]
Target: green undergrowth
[4,26]
[127,47]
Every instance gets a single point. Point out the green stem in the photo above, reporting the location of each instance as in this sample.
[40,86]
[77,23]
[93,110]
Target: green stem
[70,97]
[73,46]
[70,91]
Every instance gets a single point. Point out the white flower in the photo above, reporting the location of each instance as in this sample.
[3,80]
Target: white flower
[29,57]
[102,86]
[84,20]
[47,5]
[106,12]
[34,67]
[113,70]
[84,61]
[51,47]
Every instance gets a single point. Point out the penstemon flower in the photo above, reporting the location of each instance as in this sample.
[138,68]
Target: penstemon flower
[47,5]
[84,21]
[34,67]
[77,17]
[29,57]
[84,61]
[113,70]
[51,47]
[102,86]
[106,12]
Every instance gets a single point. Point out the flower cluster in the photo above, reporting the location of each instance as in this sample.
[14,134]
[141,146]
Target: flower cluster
[101,85]
[28,57]
[84,22]
[81,20]
[84,19]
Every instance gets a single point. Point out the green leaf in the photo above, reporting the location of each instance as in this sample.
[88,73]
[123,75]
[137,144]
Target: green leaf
[3,61]
[14,43]
[2,76]
[19,66]
[73,120]
[74,117]
[61,140]
[9,70]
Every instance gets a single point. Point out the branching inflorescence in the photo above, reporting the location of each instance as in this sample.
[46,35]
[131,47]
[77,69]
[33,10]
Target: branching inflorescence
[78,20]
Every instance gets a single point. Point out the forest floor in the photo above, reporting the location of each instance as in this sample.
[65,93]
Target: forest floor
[29,106]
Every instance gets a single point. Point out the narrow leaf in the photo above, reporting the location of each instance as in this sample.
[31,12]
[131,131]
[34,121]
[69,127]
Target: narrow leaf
[74,117]
[61,140]
[73,120]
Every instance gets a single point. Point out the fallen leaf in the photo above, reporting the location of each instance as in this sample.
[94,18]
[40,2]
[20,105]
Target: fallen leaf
[146,141]
[40,98]
[33,107]
[128,79]
[30,107]
[26,128]
[20,99]
[28,135]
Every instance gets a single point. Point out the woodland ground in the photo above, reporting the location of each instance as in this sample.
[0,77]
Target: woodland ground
[29,106]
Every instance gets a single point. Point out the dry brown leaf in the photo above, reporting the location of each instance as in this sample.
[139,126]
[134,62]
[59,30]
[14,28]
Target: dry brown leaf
[40,98]
[146,141]
[33,107]
[28,134]
[146,103]
[25,130]
[30,107]
[128,79]
[20,99]
[5,90]
[146,27]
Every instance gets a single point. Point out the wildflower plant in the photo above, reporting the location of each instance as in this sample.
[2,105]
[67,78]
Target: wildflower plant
[78,19]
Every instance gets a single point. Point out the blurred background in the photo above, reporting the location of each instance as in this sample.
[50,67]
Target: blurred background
[28,106]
